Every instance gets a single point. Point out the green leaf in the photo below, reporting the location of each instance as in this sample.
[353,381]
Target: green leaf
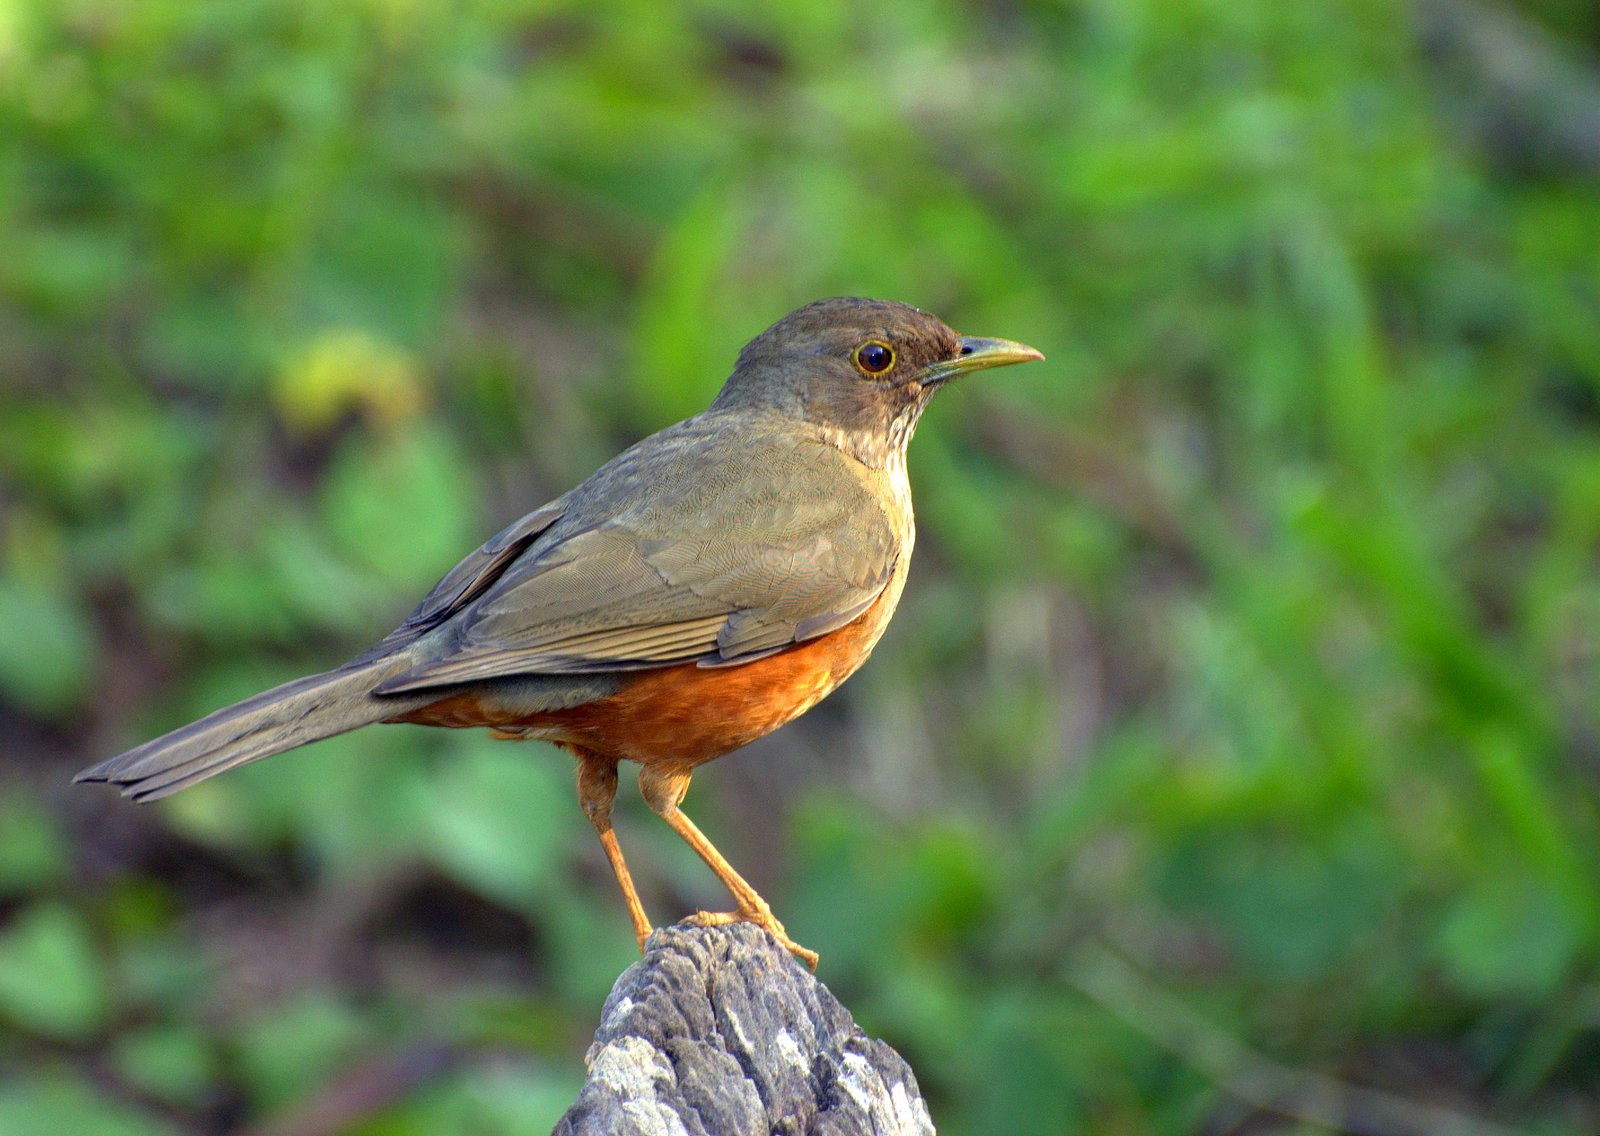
[1294,907]
[510,1097]
[402,505]
[172,1063]
[387,262]
[1511,935]
[50,978]
[293,1049]
[32,851]
[47,647]
[503,813]
[57,1105]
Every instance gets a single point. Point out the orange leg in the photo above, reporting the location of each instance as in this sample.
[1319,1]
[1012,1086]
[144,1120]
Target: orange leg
[597,789]
[664,792]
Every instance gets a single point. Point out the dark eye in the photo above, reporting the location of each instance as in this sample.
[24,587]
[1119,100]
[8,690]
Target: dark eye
[874,358]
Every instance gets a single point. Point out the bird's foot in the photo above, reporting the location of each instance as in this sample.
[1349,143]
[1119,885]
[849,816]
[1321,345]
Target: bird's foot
[763,919]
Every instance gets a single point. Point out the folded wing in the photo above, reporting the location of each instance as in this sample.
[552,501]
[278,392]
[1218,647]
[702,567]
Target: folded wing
[775,544]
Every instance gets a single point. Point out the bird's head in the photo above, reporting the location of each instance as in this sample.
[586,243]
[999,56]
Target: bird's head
[863,370]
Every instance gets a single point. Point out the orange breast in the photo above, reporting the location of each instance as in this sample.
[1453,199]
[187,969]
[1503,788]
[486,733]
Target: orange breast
[685,715]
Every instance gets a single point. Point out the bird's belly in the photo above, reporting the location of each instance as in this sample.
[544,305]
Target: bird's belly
[685,715]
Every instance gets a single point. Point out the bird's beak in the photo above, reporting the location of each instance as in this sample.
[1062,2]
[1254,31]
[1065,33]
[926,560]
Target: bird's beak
[979,355]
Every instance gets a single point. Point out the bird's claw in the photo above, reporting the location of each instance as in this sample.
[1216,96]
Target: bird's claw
[763,919]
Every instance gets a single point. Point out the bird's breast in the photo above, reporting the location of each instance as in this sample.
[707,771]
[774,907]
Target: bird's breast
[684,715]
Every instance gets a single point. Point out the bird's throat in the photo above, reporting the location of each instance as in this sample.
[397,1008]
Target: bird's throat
[880,448]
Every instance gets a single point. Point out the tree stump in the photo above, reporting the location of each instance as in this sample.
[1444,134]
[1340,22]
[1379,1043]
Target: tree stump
[718,1031]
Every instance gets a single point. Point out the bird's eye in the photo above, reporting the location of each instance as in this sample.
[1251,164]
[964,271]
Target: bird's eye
[874,358]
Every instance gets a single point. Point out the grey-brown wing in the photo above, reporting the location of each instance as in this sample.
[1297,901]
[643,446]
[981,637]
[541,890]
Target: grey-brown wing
[734,553]
[471,578]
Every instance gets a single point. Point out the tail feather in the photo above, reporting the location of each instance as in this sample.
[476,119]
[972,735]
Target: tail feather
[305,710]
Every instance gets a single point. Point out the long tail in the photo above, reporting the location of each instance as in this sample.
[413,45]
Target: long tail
[293,714]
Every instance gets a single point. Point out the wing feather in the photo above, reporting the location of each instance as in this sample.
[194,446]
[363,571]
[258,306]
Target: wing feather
[779,541]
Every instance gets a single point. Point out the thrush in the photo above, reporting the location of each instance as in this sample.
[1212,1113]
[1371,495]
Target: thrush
[698,591]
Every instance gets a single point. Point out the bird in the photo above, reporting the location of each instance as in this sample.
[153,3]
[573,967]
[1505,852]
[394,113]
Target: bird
[704,587]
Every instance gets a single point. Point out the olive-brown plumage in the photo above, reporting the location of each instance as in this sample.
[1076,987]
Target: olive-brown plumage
[696,592]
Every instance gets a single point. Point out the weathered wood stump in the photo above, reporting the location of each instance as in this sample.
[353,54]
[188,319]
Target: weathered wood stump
[718,1031]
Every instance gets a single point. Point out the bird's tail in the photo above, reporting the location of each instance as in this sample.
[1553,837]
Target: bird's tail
[297,712]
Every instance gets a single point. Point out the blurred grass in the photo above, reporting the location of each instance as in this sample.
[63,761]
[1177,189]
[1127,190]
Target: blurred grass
[1232,764]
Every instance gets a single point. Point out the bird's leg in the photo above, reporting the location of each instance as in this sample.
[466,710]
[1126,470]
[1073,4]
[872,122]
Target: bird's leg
[597,789]
[664,792]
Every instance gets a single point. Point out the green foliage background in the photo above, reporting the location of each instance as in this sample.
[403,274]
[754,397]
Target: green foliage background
[1232,764]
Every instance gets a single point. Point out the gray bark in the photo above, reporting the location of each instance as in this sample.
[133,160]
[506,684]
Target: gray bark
[718,1031]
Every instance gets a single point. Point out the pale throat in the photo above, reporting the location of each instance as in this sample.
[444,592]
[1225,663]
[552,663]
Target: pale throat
[883,449]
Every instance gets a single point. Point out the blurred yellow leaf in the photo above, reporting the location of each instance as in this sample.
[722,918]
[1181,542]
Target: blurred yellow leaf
[348,369]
